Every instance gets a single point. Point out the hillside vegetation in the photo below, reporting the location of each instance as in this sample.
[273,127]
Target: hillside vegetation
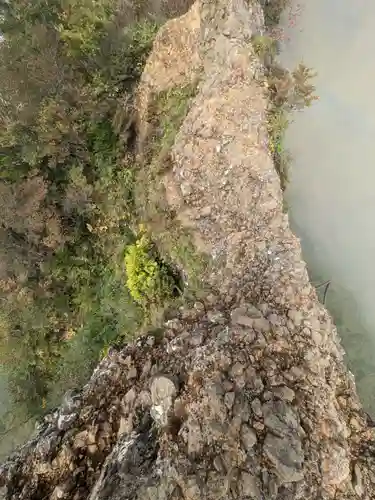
[68,227]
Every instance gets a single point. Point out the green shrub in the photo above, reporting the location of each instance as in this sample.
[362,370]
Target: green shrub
[277,123]
[264,46]
[148,280]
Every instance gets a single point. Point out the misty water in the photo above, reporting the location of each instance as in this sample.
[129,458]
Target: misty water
[331,195]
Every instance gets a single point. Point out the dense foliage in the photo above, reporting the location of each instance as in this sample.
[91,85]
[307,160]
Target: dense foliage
[68,70]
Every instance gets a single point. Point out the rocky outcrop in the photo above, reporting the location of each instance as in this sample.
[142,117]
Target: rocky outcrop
[245,395]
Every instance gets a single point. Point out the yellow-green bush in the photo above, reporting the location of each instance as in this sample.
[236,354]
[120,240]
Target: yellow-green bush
[147,279]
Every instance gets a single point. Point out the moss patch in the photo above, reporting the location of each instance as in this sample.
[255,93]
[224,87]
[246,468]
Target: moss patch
[168,112]
[174,243]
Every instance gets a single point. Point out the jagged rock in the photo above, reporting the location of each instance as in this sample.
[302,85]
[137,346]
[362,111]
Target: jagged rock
[163,392]
[236,400]
[286,455]
[256,406]
[295,316]
[216,317]
[130,397]
[281,419]
[128,469]
[80,440]
[357,481]
[336,466]
[71,402]
[229,399]
[248,486]
[237,370]
[46,444]
[65,421]
[284,393]
[248,437]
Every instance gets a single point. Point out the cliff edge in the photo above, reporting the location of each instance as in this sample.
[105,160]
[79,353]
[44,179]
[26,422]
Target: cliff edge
[245,395]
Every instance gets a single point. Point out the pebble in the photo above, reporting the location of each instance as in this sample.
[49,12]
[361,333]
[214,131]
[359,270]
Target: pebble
[186,188]
[229,399]
[295,316]
[248,437]
[249,487]
[206,211]
[284,393]
[256,406]
[92,449]
[286,455]
[132,373]
[216,317]
[357,481]
[130,396]
[237,370]
[163,393]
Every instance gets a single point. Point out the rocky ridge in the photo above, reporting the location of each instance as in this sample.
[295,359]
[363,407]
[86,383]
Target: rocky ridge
[245,395]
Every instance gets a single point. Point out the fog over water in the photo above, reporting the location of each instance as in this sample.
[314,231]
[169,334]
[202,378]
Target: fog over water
[331,195]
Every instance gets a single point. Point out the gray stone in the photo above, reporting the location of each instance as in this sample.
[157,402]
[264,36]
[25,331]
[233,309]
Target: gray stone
[284,393]
[129,397]
[274,319]
[229,399]
[357,481]
[71,402]
[186,188]
[241,319]
[252,311]
[295,316]
[256,406]
[196,339]
[132,373]
[254,382]
[248,437]
[217,484]
[281,418]
[64,422]
[163,393]
[206,211]
[46,444]
[195,439]
[262,325]
[246,315]
[223,336]
[237,370]
[216,317]
[286,455]
[248,486]
[242,408]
